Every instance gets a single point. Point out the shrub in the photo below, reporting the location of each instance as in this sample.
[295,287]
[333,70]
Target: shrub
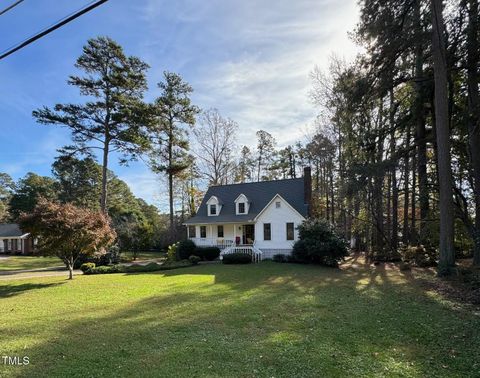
[194,259]
[172,252]
[386,256]
[87,266]
[207,253]
[185,249]
[404,266]
[470,276]
[237,258]
[419,255]
[319,244]
[137,268]
[280,257]
[104,269]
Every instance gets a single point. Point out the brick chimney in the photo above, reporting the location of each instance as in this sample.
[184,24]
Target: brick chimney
[307,189]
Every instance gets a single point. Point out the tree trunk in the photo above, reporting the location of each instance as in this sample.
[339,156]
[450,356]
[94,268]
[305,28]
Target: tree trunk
[420,132]
[473,58]
[170,177]
[447,252]
[394,186]
[406,193]
[69,262]
[103,196]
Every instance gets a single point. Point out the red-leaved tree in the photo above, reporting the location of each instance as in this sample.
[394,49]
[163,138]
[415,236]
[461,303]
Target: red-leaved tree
[67,231]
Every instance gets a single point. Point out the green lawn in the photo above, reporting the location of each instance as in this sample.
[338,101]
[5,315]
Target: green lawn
[265,320]
[28,262]
[141,256]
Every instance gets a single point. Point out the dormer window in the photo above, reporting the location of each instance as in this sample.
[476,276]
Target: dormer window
[242,205]
[214,206]
[213,209]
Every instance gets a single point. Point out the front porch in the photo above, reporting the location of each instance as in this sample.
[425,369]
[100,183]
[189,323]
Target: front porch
[222,235]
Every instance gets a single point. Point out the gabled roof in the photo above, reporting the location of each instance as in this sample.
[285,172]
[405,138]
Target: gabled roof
[10,230]
[258,193]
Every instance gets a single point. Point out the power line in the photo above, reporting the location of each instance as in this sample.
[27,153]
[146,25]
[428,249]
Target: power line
[50,29]
[11,7]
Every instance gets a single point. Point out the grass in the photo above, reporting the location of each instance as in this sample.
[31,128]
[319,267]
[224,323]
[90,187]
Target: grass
[141,256]
[28,262]
[262,320]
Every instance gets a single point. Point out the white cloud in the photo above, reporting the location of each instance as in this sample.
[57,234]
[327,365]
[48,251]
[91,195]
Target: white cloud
[252,59]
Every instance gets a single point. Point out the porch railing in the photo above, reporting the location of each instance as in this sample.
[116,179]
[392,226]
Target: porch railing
[212,242]
[251,250]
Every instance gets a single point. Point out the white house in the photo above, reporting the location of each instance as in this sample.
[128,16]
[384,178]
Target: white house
[259,218]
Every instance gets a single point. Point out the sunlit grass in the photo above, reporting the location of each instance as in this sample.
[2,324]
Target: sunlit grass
[267,320]
[28,262]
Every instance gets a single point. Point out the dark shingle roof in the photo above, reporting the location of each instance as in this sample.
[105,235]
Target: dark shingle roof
[10,230]
[258,193]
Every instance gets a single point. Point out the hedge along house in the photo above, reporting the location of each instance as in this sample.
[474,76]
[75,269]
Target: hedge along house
[13,240]
[259,218]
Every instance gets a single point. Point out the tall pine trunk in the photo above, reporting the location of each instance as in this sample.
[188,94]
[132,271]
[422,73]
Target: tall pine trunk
[420,132]
[447,252]
[406,193]
[473,58]
[103,195]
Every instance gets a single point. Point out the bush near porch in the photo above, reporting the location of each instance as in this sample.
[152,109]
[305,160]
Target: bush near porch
[319,244]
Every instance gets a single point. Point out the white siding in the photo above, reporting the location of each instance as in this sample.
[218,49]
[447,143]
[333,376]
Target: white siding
[278,219]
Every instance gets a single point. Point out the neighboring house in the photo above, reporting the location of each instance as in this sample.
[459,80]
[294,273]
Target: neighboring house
[260,218]
[13,240]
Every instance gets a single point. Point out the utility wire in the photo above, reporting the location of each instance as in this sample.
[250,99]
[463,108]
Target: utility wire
[11,7]
[50,29]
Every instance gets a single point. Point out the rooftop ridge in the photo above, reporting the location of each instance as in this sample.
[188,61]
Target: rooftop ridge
[256,182]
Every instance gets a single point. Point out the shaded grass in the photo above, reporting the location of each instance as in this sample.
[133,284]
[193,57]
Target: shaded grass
[142,256]
[29,262]
[267,319]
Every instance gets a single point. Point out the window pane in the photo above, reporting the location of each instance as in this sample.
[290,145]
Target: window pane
[220,231]
[241,207]
[213,209]
[277,204]
[203,232]
[267,231]
[290,231]
[192,231]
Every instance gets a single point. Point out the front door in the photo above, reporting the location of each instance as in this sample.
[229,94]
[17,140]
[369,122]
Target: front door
[248,233]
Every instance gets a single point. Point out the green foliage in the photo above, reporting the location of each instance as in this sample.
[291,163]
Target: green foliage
[114,113]
[28,191]
[237,258]
[419,255]
[172,252]
[137,268]
[87,266]
[78,181]
[319,244]
[7,187]
[207,253]
[185,249]
[106,269]
[194,259]
[280,257]
[471,277]
[386,255]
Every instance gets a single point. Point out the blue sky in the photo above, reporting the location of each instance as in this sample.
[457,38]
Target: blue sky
[250,59]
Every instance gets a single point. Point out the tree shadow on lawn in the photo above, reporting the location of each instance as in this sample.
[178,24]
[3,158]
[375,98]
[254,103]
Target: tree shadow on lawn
[10,290]
[267,320]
